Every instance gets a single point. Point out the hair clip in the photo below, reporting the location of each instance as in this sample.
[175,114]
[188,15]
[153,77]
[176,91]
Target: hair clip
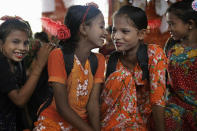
[57,29]
[194,5]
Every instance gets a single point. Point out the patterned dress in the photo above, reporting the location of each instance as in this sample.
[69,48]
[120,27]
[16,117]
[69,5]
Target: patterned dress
[79,85]
[127,99]
[181,108]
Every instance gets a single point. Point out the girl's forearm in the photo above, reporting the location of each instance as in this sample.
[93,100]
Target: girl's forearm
[158,117]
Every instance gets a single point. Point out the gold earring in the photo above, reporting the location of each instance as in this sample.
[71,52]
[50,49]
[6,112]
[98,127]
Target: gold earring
[1,50]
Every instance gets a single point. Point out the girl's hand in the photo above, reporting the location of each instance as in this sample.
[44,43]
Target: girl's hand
[43,53]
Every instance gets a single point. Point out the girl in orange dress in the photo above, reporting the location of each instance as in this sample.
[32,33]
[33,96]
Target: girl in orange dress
[131,96]
[75,105]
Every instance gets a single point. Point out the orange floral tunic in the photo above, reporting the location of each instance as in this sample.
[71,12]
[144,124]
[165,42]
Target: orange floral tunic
[127,99]
[79,85]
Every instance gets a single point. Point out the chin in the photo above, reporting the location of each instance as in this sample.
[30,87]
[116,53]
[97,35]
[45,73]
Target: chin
[17,60]
[175,38]
[99,45]
[120,50]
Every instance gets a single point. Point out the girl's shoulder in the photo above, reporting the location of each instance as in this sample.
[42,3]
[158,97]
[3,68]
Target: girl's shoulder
[154,49]
[100,56]
[56,53]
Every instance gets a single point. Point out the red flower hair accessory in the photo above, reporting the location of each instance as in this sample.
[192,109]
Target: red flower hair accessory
[56,29]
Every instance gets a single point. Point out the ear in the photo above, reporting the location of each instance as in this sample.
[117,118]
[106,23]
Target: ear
[191,24]
[142,33]
[82,29]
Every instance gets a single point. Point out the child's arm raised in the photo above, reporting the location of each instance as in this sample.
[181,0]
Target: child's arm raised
[64,109]
[22,95]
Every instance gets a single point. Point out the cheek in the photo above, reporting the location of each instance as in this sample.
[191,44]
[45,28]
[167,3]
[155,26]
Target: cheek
[131,38]
[6,47]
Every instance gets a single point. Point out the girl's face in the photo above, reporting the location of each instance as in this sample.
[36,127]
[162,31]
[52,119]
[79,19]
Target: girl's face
[96,32]
[16,45]
[124,35]
[177,28]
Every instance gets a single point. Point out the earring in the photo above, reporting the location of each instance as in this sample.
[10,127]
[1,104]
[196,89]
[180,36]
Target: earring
[123,53]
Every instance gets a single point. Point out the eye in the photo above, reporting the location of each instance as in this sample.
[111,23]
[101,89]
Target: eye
[125,31]
[26,42]
[15,41]
[113,30]
[171,24]
[102,27]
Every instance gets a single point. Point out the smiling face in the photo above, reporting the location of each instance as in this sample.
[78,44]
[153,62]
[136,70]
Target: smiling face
[16,45]
[177,28]
[96,32]
[125,35]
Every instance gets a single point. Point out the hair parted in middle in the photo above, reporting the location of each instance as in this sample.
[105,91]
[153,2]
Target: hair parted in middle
[137,15]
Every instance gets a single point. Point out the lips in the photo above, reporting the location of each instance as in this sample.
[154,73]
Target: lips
[20,55]
[118,44]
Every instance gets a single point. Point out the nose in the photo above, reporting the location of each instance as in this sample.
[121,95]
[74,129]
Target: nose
[116,36]
[169,28]
[23,46]
[105,32]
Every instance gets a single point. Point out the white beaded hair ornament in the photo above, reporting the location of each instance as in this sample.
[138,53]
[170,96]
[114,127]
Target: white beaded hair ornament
[194,5]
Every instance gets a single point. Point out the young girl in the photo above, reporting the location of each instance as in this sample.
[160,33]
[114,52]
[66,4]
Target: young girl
[76,96]
[135,90]
[15,90]
[181,107]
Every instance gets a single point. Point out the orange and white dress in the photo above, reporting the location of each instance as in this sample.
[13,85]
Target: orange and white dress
[79,85]
[127,99]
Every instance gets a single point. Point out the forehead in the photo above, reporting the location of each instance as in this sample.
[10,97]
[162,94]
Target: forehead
[171,17]
[123,20]
[98,19]
[18,34]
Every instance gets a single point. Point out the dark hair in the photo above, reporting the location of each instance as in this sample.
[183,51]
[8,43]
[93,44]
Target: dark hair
[74,19]
[13,24]
[42,36]
[183,10]
[109,29]
[137,15]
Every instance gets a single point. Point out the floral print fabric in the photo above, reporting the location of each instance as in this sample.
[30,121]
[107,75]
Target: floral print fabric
[127,99]
[181,108]
[79,85]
